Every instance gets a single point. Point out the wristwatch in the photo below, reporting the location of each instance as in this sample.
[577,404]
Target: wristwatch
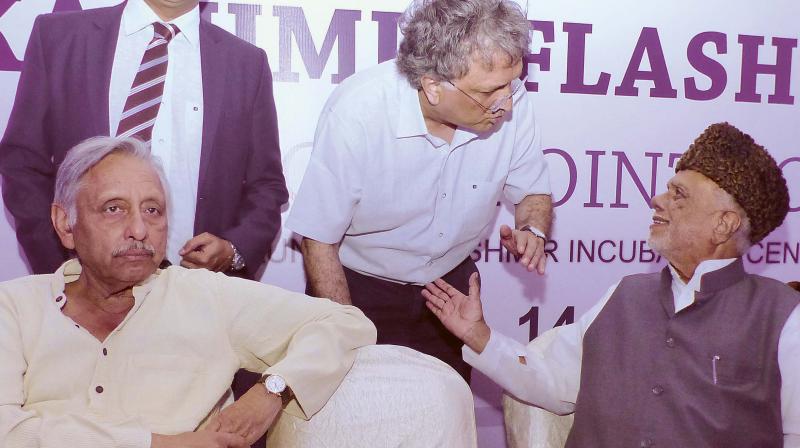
[534,231]
[237,263]
[276,385]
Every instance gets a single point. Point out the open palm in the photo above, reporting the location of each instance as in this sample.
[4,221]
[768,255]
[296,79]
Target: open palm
[459,313]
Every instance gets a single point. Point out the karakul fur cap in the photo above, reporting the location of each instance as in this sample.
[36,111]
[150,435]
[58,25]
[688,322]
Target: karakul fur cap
[744,169]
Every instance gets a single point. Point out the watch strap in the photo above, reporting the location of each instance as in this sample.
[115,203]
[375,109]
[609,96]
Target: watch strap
[534,230]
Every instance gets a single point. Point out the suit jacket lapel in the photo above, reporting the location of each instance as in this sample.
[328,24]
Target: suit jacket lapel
[101,47]
[213,63]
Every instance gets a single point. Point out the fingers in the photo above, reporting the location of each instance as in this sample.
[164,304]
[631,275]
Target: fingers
[474,286]
[195,243]
[541,264]
[435,300]
[229,440]
[506,232]
[446,287]
[531,247]
[206,251]
[214,425]
[436,311]
[436,291]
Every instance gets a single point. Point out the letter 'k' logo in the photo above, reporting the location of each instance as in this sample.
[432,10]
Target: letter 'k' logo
[11,31]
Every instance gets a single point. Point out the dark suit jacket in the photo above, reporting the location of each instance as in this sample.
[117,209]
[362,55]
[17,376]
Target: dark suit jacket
[62,99]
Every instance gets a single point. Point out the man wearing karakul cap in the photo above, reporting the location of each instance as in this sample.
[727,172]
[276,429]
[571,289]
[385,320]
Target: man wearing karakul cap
[700,354]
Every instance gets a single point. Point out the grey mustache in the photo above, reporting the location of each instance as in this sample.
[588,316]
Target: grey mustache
[136,245]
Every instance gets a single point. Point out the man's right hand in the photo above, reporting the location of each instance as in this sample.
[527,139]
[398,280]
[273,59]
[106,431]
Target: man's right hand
[462,315]
[199,439]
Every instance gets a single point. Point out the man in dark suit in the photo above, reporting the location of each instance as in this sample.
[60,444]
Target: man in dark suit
[213,125]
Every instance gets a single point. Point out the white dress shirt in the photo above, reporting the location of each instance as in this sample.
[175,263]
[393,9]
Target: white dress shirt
[169,364]
[551,377]
[410,206]
[177,133]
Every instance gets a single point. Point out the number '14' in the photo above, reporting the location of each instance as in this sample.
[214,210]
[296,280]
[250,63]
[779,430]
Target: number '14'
[532,318]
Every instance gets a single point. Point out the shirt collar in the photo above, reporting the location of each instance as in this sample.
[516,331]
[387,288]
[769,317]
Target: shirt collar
[71,271]
[684,292]
[410,121]
[138,16]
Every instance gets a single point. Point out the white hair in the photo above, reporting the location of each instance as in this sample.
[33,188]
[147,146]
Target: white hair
[742,235]
[88,153]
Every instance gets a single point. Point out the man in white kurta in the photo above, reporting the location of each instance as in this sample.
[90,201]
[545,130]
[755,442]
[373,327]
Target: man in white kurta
[110,351]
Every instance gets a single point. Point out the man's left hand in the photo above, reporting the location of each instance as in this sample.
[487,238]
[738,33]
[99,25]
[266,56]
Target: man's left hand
[526,245]
[250,416]
[207,251]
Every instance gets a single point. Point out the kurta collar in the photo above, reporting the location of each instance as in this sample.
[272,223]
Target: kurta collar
[71,270]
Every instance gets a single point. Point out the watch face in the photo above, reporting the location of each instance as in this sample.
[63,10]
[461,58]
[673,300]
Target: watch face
[275,384]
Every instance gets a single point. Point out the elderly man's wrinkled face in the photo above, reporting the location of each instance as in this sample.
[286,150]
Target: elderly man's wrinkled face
[121,229]
[683,221]
[470,99]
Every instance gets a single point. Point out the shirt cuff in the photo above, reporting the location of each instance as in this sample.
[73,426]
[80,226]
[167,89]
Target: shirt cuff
[497,349]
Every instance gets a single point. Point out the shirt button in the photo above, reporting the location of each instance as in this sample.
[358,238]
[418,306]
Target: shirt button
[99,389]
[59,298]
[647,443]
[441,234]
[161,140]
[657,390]
[670,342]
[195,108]
[444,195]
[105,352]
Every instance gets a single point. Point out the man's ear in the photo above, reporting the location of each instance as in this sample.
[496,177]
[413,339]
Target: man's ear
[60,219]
[728,224]
[432,88]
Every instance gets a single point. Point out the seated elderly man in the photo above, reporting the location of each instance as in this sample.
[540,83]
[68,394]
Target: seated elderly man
[701,354]
[110,351]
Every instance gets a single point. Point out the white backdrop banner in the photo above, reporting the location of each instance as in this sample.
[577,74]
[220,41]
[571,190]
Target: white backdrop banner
[622,87]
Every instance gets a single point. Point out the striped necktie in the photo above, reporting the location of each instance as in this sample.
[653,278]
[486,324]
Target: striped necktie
[144,99]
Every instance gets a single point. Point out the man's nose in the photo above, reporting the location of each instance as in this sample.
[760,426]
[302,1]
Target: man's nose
[137,228]
[657,203]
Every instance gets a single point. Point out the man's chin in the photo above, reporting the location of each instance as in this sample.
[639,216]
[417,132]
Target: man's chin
[655,244]
[137,270]
[489,125]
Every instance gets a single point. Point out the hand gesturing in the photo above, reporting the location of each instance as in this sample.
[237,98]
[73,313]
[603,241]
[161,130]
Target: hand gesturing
[462,315]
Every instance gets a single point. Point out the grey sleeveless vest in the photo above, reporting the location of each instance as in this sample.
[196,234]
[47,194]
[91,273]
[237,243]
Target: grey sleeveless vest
[707,376]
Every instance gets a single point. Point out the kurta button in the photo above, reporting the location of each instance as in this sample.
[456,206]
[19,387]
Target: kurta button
[99,389]
[657,390]
[59,298]
[105,352]
[670,342]
[441,234]
[444,195]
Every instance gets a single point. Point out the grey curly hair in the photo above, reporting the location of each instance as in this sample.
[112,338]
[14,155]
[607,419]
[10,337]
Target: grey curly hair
[441,36]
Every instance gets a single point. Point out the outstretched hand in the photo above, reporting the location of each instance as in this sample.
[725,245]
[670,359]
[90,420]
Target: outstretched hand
[461,314]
